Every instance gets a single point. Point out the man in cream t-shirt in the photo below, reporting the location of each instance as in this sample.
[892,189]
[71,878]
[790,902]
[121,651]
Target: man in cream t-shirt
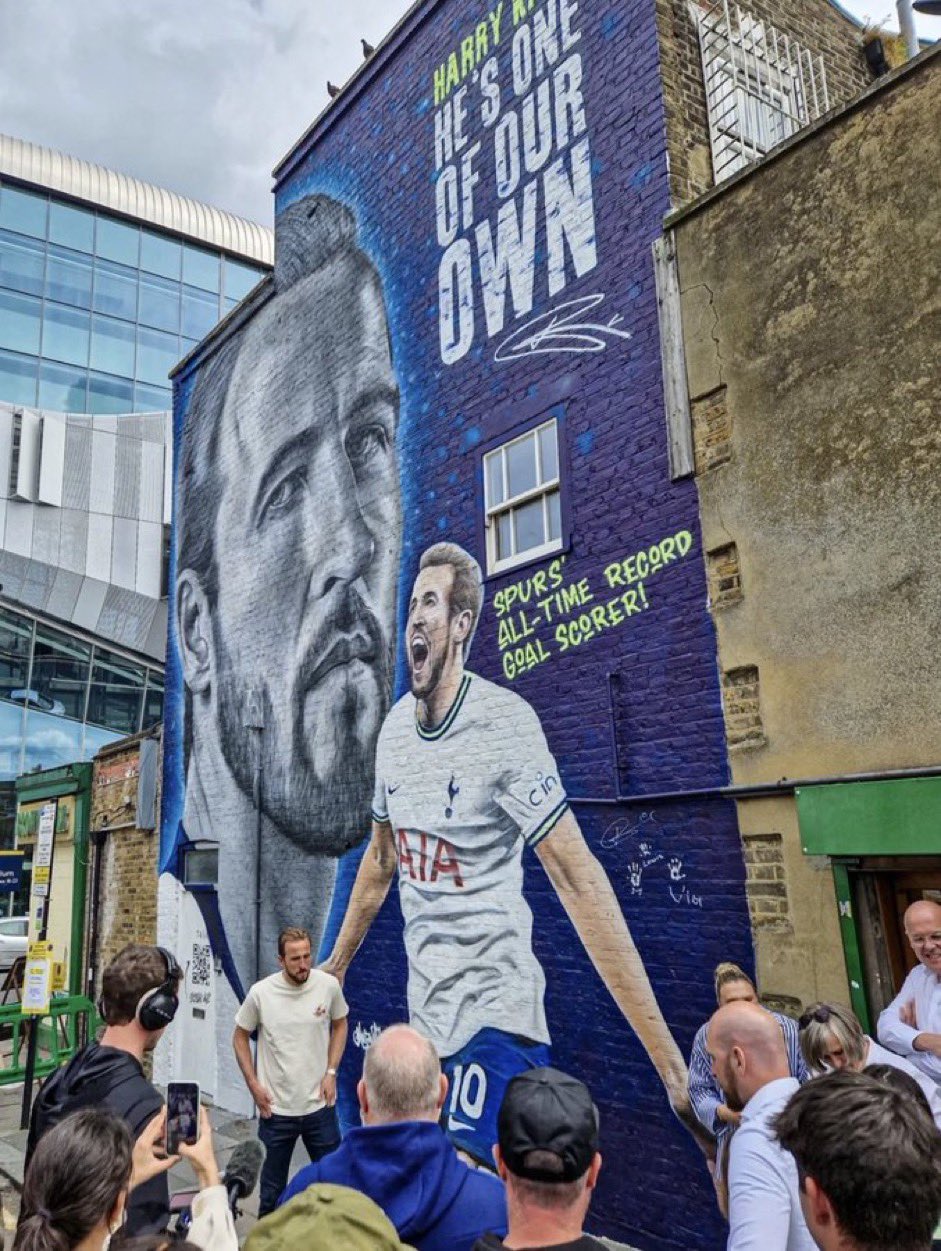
[301,1018]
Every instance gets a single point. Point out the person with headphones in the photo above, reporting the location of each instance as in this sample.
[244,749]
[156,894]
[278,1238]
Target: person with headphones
[138,1001]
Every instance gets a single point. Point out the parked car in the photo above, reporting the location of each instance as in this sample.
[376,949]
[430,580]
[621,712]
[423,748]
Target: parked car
[12,940]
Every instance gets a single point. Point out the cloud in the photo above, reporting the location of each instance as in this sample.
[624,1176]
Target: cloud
[201,98]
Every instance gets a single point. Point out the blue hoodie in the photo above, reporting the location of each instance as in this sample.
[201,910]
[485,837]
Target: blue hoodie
[411,1170]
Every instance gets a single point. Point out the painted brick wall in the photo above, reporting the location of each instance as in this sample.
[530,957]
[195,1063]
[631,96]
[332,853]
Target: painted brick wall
[628,700]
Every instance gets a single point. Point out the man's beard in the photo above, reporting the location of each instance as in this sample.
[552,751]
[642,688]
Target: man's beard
[733,1100]
[321,815]
[430,684]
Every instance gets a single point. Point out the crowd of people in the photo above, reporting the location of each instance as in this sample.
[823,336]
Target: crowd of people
[823,1136]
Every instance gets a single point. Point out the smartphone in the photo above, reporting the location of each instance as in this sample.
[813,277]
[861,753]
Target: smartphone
[182,1114]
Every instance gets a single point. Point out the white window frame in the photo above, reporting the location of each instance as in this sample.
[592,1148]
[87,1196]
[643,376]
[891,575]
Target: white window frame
[542,490]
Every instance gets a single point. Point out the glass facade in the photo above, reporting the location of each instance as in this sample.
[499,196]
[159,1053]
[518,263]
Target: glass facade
[62,696]
[95,311]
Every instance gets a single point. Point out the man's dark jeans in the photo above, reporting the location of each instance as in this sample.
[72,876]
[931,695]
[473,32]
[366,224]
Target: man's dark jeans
[278,1135]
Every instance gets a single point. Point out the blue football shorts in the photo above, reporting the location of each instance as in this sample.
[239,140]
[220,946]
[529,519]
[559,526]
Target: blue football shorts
[477,1076]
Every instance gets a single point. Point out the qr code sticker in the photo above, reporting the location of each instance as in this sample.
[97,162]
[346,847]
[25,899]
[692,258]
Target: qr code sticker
[201,966]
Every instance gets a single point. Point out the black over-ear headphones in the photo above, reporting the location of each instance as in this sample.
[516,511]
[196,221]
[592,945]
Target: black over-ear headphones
[157,1007]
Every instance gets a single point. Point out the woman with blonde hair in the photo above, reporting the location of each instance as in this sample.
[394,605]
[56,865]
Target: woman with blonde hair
[831,1037]
[732,985]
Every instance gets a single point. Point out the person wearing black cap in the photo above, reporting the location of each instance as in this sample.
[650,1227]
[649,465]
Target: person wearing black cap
[547,1154]
[138,1002]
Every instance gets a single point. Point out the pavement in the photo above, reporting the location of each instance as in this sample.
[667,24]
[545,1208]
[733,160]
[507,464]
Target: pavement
[228,1131]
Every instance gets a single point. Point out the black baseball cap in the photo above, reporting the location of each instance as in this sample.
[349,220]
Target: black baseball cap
[546,1110]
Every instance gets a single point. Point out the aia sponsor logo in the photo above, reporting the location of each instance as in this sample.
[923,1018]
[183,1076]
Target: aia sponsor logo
[427,858]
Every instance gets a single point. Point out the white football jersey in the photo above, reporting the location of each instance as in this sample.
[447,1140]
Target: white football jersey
[462,799]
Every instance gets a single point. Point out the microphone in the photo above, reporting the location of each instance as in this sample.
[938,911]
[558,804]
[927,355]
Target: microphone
[241,1172]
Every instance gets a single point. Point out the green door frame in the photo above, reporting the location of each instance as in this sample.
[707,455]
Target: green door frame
[853,819]
[45,784]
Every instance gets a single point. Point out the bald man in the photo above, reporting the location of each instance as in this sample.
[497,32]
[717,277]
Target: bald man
[911,1024]
[749,1060]
[400,1156]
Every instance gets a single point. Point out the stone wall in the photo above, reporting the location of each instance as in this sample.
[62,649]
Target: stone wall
[821,335]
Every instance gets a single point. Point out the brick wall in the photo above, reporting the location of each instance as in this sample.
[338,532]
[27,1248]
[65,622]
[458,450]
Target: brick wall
[127,903]
[816,24]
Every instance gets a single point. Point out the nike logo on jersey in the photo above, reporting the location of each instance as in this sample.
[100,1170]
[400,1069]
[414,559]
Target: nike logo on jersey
[393,789]
[425,858]
[454,1125]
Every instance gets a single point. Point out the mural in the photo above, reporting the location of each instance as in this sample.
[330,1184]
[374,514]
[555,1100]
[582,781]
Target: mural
[440,613]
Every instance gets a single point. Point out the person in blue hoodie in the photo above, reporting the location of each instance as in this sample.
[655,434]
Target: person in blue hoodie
[400,1156]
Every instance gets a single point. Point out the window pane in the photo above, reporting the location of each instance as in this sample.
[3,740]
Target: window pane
[20,319]
[116,693]
[60,673]
[18,378]
[494,468]
[11,740]
[554,504]
[529,526]
[521,465]
[201,268]
[156,355]
[65,334]
[110,395]
[112,346]
[23,212]
[62,388]
[504,536]
[117,241]
[159,303]
[187,345]
[15,636]
[51,741]
[22,262]
[115,290]
[228,304]
[159,255]
[153,701]
[239,279]
[152,399]
[200,312]
[72,227]
[95,739]
[549,451]
[68,277]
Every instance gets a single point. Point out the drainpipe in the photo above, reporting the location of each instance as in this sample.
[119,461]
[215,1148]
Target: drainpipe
[907,26]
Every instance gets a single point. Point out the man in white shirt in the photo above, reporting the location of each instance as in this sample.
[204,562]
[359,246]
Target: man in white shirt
[749,1060]
[301,1018]
[869,1160]
[911,1024]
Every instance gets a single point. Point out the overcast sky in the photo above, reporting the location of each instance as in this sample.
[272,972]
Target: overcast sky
[201,96]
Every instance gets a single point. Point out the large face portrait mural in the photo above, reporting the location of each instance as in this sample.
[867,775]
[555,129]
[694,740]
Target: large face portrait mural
[439,617]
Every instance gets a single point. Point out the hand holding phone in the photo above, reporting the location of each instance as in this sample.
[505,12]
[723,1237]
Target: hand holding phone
[182,1115]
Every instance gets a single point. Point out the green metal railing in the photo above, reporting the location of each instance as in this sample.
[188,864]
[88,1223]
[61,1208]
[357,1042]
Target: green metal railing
[70,1021]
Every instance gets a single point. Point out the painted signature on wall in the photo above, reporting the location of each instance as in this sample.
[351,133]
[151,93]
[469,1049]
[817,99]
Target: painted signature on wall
[560,330]
[645,856]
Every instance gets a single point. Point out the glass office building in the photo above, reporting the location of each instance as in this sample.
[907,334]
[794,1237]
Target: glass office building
[105,284]
[95,311]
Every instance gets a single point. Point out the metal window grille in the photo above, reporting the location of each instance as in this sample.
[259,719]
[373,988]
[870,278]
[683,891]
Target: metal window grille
[762,86]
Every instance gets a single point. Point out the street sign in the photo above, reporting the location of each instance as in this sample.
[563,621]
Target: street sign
[42,858]
[37,979]
[11,870]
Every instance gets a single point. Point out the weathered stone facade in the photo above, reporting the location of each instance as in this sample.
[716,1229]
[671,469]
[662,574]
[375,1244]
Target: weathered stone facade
[822,335]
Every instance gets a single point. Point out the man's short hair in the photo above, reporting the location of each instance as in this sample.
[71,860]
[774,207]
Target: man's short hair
[308,236]
[546,1194]
[873,1152]
[467,590]
[818,1023]
[291,934]
[133,971]
[402,1088]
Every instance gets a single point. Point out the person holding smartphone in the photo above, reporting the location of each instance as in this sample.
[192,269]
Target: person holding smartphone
[138,1001]
[301,1018]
